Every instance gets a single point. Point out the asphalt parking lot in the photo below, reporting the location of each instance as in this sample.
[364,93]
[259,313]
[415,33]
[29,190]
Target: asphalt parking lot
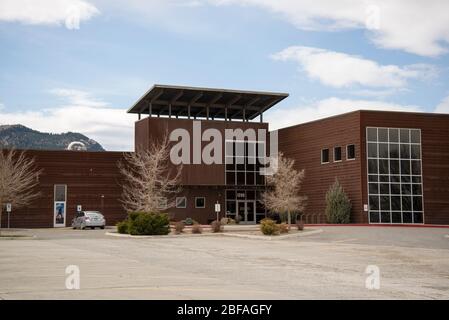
[413,264]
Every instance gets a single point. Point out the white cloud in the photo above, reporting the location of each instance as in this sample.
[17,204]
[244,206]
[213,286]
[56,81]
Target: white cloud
[415,26]
[47,12]
[113,128]
[284,117]
[443,107]
[339,70]
[78,97]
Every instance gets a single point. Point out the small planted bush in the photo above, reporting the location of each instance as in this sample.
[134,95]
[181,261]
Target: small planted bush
[300,225]
[189,222]
[143,223]
[283,228]
[216,226]
[179,227]
[238,218]
[338,205]
[269,227]
[196,228]
[122,227]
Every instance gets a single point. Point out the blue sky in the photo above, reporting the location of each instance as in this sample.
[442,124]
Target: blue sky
[77,65]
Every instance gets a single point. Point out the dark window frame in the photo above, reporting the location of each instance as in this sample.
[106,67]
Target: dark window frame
[347,152]
[341,154]
[196,204]
[328,156]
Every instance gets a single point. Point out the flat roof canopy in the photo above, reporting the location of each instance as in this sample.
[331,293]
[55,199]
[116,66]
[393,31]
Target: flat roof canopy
[209,103]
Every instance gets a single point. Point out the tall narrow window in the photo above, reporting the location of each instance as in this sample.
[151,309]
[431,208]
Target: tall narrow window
[350,152]
[337,154]
[325,156]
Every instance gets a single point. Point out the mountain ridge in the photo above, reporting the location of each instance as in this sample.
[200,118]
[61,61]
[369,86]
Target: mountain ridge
[21,137]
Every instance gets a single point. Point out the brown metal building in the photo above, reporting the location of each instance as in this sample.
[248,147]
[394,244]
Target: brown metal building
[394,166]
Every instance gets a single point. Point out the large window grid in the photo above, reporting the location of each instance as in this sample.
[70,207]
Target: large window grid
[394,167]
[242,163]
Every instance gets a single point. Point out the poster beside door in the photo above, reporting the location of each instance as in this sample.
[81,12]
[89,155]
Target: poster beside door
[59,214]
[60,205]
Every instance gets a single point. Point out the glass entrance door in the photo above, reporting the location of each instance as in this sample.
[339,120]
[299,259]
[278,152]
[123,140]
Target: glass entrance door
[246,209]
[250,212]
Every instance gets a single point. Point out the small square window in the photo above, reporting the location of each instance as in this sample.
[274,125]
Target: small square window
[181,202]
[337,154]
[162,203]
[200,202]
[350,152]
[325,156]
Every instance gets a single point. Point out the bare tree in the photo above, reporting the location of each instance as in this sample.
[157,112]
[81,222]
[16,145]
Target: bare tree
[18,179]
[282,194]
[150,183]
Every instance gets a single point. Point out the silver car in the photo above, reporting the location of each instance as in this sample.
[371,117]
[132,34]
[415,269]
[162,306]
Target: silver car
[88,219]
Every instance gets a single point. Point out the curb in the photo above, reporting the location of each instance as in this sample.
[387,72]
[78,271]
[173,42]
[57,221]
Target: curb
[236,235]
[18,237]
[269,238]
